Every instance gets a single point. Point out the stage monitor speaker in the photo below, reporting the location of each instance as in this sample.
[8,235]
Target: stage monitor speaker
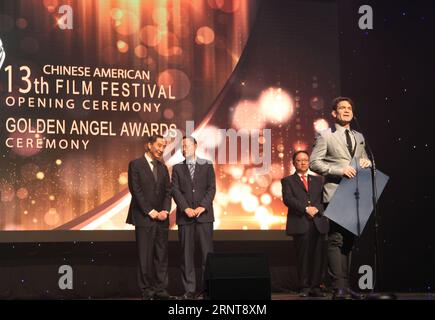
[237,276]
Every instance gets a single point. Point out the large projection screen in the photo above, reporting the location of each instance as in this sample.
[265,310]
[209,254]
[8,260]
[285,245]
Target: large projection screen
[84,83]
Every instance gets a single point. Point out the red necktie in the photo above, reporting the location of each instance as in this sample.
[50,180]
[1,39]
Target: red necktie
[304,180]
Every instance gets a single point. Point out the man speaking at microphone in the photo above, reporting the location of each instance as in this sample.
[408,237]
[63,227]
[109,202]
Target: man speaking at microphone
[331,157]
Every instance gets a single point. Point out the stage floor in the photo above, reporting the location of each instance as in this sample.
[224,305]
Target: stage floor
[295,297]
[400,296]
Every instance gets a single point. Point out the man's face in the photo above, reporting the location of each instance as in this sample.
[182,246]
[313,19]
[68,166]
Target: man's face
[302,162]
[156,149]
[344,113]
[189,148]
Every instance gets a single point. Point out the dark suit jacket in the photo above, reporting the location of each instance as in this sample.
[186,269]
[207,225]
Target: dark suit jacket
[192,194]
[147,194]
[296,199]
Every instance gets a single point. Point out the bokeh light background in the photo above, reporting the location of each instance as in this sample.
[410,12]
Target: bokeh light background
[239,64]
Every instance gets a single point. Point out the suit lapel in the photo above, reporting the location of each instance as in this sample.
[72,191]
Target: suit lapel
[358,141]
[299,182]
[147,170]
[159,172]
[196,174]
[338,137]
[186,171]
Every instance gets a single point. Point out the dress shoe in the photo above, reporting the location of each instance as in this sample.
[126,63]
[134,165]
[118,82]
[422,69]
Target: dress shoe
[162,295]
[147,297]
[317,292]
[341,294]
[188,296]
[355,295]
[304,292]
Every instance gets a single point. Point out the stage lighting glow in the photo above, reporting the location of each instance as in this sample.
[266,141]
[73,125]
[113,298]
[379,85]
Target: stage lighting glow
[141,51]
[276,105]
[238,191]
[249,203]
[123,178]
[276,189]
[7,192]
[160,16]
[204,35]
[266,199]
[247,116]
[22,193]
[300,145]
[168,44]
[317,103]
[320,125]
[51,218]
[235,171]
[150,35]
[178,80]
[208,137]
[222,199]
[129,24]
[122,46]
[116,13]
[51,5]
[277,171]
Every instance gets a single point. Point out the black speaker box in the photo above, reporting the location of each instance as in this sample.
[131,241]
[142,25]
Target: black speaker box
[237,276]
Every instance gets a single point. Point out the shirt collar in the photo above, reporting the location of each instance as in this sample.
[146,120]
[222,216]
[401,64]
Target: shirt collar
[341,129]
[191,160]
[148,158]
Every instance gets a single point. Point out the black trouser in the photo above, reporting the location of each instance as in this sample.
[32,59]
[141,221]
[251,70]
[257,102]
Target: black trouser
[186,235]
[311,257]
[340,242]
[152,246]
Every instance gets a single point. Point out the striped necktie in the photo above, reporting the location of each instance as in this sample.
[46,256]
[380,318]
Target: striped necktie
[191,169]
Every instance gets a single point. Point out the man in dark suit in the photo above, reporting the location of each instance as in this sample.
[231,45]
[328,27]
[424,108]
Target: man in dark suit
[149,185]
[193,189]
[302,194]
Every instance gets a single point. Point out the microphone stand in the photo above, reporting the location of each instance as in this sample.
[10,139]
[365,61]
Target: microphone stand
[358,225]
[377,252]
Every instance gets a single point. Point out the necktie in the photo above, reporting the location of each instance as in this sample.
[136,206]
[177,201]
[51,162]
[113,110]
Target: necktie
[349,142]
[304,180]
[154,162]
[192,170]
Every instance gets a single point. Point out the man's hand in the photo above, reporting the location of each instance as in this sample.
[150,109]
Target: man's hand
[162,215]
[190,212]
[199,211]
[312,211]
[349,172]
[154,214]
[365,163]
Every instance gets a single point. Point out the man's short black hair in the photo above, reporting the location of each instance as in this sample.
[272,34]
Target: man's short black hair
[337,100]
[153,138]
[298,152]
[191,139]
